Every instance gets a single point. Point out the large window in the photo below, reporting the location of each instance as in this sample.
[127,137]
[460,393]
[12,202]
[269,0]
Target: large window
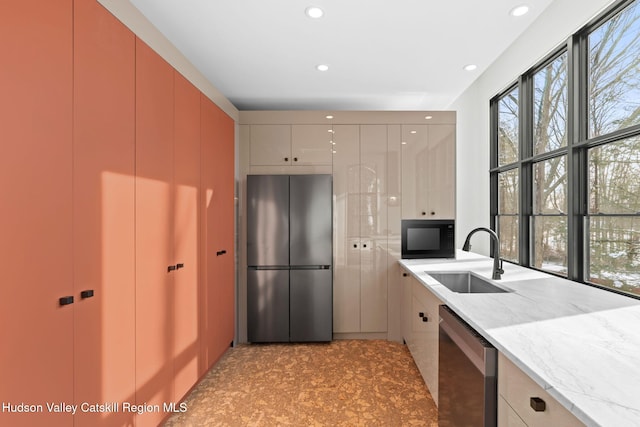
[566,157]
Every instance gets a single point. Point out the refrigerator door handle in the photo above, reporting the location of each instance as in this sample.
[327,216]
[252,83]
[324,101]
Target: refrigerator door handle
[269,267]
[310,267]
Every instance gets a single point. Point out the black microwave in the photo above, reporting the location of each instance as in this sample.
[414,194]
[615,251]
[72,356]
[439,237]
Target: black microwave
[428,238]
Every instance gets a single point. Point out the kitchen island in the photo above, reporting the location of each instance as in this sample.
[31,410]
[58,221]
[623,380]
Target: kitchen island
[579,343]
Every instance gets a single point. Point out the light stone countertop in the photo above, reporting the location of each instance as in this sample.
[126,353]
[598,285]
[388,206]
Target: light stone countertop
[580,343]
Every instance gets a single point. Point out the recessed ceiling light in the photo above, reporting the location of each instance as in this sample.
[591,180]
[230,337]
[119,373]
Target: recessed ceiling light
[322,67]
[413,132]
[519,10]
[470,67]
[314,12]
[428,117]
[328,117]
[404,142]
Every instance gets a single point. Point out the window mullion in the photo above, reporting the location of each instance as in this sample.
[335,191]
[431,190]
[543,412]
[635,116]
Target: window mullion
[526,175]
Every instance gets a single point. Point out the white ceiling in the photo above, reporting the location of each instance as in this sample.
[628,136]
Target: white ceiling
[382,54]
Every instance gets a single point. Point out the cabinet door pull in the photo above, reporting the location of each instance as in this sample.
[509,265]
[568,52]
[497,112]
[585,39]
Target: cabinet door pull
[179,266]
[537,404]
[421,314]
[66,300]
[424,213]
[86,294]
[404,274]
[295,159]
[286,159]
[364,246]
[222,252]
[171,268]
[433,213]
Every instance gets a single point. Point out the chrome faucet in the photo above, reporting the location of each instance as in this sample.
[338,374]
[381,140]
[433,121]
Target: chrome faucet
[497,262]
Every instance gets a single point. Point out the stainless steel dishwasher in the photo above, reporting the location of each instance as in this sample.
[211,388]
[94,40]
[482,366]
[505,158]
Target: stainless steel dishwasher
[467,375]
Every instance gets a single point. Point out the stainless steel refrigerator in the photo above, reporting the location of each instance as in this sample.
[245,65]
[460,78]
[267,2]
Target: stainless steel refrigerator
[289,258]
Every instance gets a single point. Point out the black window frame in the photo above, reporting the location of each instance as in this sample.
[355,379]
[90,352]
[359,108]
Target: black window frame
[576,151]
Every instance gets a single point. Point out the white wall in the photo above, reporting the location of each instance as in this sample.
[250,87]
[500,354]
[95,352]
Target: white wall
[552,28]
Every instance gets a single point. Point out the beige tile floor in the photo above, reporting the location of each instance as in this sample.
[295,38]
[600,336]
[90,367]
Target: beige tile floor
[342,383]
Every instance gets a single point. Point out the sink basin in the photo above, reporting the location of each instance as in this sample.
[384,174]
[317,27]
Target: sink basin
[466,282]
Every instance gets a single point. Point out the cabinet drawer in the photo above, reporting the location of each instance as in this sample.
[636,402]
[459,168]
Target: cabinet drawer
[516,389]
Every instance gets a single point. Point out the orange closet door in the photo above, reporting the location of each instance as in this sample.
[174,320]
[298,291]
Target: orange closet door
[154,220]
[186,236]
[225,165]
[103,229]
[217,236]
[36,336]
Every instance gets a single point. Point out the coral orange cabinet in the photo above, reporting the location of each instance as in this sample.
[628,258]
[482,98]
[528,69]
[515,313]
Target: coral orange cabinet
[103,225]
[36,333]
[186,156]
[217,206]
[155,265]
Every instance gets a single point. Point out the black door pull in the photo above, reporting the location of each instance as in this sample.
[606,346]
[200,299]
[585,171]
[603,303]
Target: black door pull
[222,252]
[171,268]
[179,266]
[66,300]
[86,294]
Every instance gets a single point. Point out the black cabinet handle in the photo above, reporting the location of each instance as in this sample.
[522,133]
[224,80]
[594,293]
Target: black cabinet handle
[355,245]
[425,319]
[364,246]
[421,314]
[222,252]
[86,294]
[179,266]
[286,159]
[295,159]
[171,268]
[66,300]
[537,404]
[433,213]
[404,274]
[424,213]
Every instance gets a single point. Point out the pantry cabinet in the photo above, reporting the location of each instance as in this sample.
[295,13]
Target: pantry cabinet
[36,359]
[185,237]
[102,297]
[155,265]
[217,234]
[428,171]
[103,212]
[361,235]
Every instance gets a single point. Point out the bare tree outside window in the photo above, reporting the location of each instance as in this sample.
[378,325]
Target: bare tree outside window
[608,181]
[614,168]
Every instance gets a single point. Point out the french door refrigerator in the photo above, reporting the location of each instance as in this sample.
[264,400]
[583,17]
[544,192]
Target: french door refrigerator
[289,258]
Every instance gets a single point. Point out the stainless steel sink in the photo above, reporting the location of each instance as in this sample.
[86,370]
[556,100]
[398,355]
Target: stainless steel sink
[466,282]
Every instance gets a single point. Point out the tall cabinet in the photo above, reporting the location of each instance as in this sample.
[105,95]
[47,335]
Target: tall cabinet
[217,234]
[103,212]
[363,190]
[36,41]
[102,298]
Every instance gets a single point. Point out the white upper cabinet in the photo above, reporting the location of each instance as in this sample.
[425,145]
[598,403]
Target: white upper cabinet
[290,145]
[311,144]
[428,171]
[270,145]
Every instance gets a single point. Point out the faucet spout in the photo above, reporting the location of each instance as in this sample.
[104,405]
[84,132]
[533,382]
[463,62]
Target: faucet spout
[497,262]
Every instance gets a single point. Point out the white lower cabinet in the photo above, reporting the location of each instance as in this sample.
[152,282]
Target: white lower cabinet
[420,329]
[515,408]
